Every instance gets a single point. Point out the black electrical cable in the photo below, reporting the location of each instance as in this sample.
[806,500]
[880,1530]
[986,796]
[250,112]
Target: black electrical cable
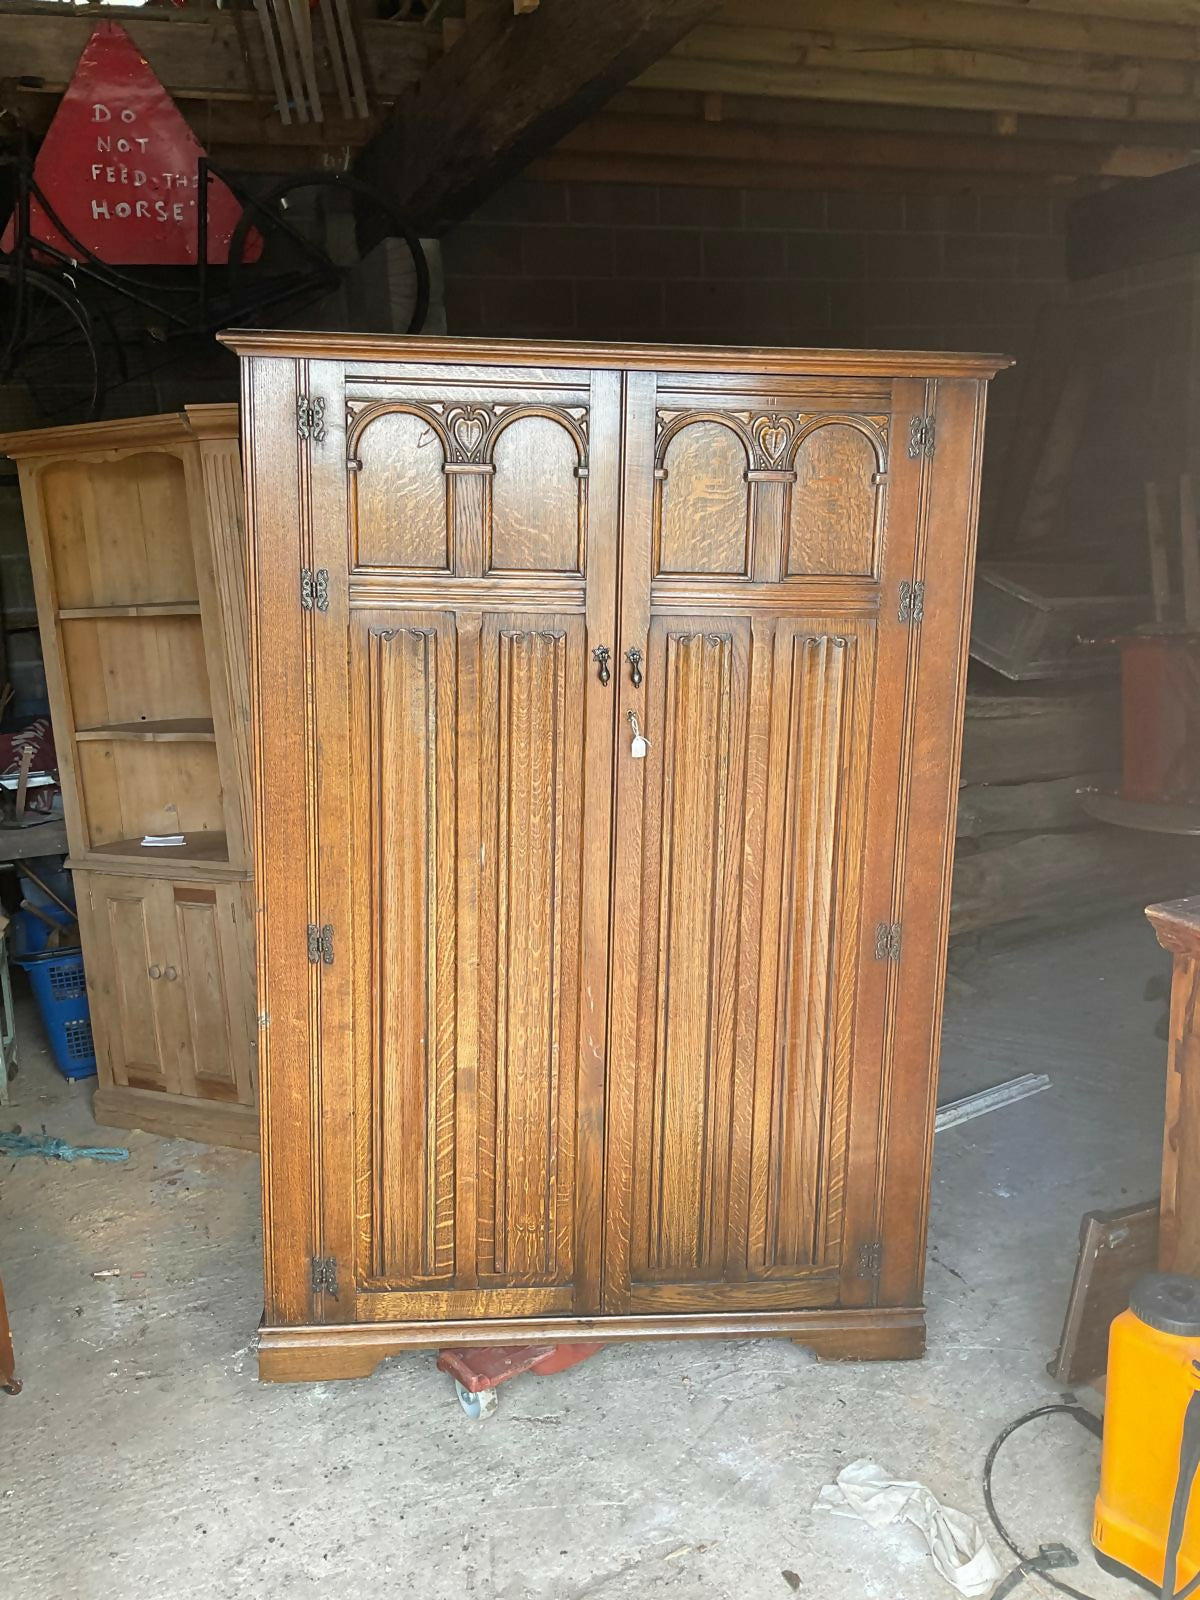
[1028,1565]
[1034,1566]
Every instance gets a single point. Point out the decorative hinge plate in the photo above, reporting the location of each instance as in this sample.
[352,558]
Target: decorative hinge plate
[921,438]
[870,1259]
[320,943]
[912,601]
[324,1275]
[310,418]
[887,941]
[314,589]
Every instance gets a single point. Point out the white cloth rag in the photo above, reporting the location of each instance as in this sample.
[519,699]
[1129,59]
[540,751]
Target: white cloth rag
[956,1542]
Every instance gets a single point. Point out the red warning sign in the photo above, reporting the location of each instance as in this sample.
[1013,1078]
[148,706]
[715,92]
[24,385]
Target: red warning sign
[119,166]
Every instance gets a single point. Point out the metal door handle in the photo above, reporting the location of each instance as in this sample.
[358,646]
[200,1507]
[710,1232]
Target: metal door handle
[600,656]
[634,657]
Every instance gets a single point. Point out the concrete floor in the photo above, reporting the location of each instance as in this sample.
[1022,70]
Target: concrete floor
[144,1460]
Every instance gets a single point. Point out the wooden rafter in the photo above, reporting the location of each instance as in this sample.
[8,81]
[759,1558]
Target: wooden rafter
[766,92]
[195,59]
[1163,32]
[761,144]
[508,90]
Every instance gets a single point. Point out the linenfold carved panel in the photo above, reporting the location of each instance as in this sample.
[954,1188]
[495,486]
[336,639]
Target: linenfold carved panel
[708,466]
[504,1120]
[413,506]
[406,739]
[746,1009]
[531,790]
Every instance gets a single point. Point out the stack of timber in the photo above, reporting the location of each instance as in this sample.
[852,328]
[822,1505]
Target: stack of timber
[1028,857]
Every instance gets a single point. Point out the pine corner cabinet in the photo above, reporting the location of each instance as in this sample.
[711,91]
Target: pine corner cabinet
[606,706]
[136,540]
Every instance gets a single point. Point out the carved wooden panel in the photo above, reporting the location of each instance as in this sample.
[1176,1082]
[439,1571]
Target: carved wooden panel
[835,499]
[443,486]
[703,504]
[753,806]
[398,502]
[470,724]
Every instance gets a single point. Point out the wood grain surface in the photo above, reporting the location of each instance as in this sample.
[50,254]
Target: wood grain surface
[618,1035]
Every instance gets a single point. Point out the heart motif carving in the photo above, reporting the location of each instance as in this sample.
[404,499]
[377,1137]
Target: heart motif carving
[468,429]
[773,435]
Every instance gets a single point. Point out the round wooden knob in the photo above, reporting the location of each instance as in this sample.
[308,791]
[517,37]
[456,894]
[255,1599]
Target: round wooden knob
[156,972]
[171,974]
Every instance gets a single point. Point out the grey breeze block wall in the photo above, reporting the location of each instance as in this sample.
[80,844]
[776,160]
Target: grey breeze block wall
[725,265]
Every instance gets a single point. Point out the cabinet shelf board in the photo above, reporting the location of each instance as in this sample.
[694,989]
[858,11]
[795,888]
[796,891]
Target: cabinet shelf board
[147,608]
[168,730]
[200,847]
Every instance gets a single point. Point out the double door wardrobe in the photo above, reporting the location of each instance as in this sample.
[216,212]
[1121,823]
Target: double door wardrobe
[607,704]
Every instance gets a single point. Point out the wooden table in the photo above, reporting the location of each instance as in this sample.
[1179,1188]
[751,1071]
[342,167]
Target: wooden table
[1177,926]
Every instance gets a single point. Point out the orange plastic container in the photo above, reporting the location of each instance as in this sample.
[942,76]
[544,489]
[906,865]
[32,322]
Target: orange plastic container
[1153,1389]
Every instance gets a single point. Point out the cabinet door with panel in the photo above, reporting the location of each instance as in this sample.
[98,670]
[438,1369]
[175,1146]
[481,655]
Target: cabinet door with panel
[464,534]
[129,947]
[756,545]
[210,950]
[166,972]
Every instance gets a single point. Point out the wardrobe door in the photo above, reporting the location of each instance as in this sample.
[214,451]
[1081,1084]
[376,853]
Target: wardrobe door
[754,838]
[463,747]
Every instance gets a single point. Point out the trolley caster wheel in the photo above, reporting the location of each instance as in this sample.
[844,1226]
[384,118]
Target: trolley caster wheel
[478,1406]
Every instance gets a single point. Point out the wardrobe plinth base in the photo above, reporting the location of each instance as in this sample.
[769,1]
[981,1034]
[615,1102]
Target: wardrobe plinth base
[319,1353]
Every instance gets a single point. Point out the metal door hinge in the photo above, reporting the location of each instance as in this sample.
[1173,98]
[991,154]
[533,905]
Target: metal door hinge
[870,1259]
[887,941]
[324,1275]
[320,943]
[314,589]
[912,601]
[310,418]
[921,439]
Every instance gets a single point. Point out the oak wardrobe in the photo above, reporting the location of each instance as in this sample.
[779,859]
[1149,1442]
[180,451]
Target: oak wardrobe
[607,706]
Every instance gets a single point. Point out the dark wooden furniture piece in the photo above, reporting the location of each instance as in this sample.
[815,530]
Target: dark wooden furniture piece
[1176,924]
[1116,1248]
[9,1381]
[567,1034]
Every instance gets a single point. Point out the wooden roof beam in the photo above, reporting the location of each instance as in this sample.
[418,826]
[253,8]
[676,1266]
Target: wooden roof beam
[861,116]
[846,76]
[196,57]
[757,144]
[510,88]
[1139,11]
[1166,34]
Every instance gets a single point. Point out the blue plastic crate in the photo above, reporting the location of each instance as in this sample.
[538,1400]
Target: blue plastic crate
[60,989]
[30,935]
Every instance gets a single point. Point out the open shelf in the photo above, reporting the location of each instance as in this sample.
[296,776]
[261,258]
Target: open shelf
[165,730]
[205,847]
[164,608]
